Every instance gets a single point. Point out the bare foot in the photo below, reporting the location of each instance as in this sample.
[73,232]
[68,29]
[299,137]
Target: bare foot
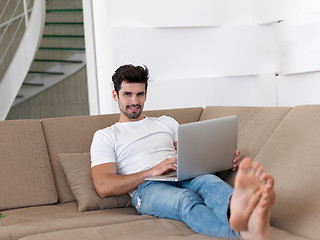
[259,222]
[247,193]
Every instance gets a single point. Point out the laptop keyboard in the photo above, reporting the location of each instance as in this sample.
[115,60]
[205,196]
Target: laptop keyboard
[170,175]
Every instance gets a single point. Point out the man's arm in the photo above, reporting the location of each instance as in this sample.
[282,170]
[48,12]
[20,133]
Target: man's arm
[108,183]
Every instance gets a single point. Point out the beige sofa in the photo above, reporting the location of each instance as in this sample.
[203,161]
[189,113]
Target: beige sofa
[42,160]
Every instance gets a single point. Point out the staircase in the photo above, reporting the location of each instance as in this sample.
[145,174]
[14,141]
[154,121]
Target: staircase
[61,52]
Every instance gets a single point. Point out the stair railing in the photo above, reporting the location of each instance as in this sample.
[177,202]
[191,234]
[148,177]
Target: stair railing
[22,60]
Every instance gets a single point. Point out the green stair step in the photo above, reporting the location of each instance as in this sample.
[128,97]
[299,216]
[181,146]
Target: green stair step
[57,61]
[62,48]
[62,36]
[33,84]
[64,10]
[64,23]
[44,72]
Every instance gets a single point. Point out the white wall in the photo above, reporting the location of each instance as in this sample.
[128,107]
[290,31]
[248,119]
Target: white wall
[207,52]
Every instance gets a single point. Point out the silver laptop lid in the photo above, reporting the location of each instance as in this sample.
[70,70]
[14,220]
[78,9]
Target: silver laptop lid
[206,146]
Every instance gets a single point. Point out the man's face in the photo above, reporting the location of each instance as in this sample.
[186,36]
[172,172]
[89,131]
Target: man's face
[131,100]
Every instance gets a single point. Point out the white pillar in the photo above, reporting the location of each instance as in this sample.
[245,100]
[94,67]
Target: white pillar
[99,55]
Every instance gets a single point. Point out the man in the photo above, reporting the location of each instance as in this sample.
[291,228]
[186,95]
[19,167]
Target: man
[137,147]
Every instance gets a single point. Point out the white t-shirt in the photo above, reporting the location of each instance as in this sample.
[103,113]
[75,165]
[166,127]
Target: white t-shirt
[135,146]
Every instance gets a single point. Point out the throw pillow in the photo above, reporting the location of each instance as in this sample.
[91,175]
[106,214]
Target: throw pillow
[78,173]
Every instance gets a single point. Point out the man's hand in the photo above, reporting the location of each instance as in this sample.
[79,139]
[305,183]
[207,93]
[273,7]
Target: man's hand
[167,165]
[236,161]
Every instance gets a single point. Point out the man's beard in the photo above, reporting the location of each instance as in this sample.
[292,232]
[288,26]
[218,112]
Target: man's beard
[133,115]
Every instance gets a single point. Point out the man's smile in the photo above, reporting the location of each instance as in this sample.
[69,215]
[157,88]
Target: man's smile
[134,107]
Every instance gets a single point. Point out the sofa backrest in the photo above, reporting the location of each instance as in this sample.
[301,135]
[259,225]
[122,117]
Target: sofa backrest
[182,115]
[292,155]
[74,135]
[26,175]
[255,126]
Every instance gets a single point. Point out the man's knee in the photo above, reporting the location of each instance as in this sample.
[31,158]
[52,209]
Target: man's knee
[188,200]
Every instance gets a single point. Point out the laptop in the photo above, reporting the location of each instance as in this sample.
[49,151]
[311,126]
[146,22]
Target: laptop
[204,147]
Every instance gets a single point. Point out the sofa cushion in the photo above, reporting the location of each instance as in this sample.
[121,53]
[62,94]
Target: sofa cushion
[26,175]
[74,135]
[138,228]
[78,172]
[22,222]
[135,230]
[152,230]
[292,156]
[70,135]
[63,221]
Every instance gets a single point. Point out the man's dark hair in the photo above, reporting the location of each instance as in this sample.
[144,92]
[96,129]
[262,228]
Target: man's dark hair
[130,74]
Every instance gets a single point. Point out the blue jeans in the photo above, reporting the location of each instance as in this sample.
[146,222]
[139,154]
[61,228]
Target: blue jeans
[202,203]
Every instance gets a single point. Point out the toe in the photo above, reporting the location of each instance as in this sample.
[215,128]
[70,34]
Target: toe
[259,171]
[255,166]
[245,164]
